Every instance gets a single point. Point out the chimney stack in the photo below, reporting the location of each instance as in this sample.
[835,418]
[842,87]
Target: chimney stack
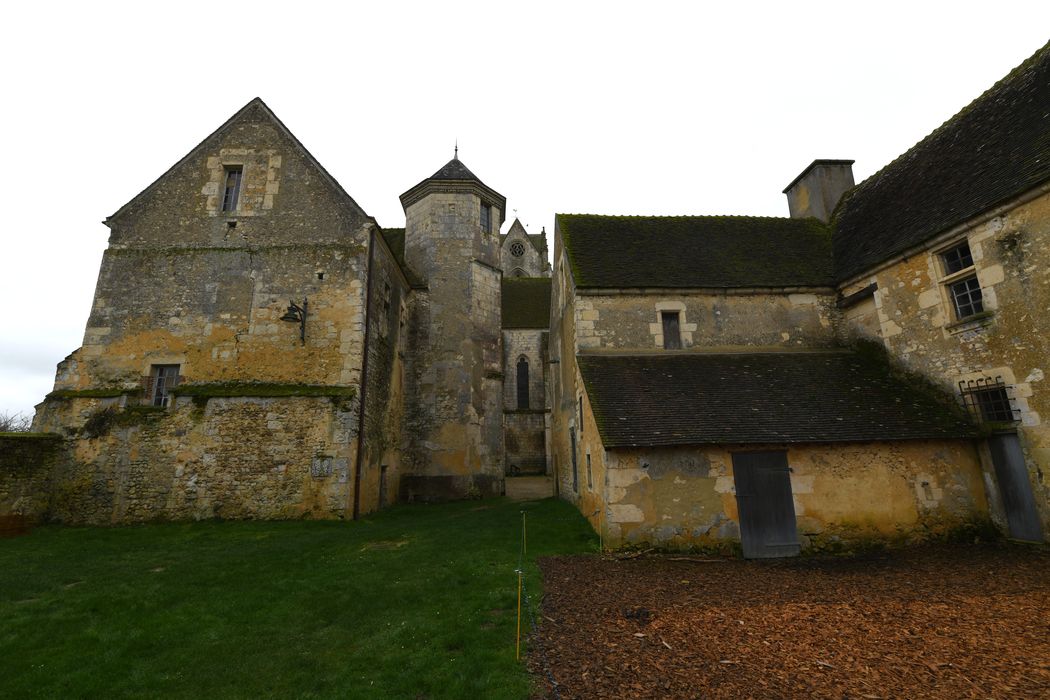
[818,189]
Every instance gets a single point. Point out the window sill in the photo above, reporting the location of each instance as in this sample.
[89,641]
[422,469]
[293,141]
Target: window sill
[970,323]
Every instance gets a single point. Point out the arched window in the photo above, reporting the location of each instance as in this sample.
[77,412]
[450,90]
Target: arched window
[523,383]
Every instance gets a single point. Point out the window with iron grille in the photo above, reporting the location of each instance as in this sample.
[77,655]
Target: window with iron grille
[232,189]
[161,380]
[988,400]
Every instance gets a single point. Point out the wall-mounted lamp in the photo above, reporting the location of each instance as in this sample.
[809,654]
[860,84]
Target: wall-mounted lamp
[297,314]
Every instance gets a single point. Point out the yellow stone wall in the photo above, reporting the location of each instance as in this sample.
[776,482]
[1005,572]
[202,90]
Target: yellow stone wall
[844,495]
[912,315]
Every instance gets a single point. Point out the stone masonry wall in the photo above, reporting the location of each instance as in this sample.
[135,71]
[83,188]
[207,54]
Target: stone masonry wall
[27,462]
[733,321]
[192,460]
[913,316]
[385,382]
[457,388]
[525,429]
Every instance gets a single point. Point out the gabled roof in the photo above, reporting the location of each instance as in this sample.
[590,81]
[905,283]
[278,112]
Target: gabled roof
[993,151]
[526,302]
[538,240]
[255,105]
[758,398]
[696,251]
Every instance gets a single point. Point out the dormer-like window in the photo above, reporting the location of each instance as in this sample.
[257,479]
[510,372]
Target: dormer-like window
[486,218]
[232,189]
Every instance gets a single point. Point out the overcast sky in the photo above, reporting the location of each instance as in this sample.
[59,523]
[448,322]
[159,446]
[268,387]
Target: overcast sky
[603,107]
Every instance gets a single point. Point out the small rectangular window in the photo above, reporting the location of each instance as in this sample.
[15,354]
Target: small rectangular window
[966,297]
[161,380]
[486,218]
[590,481]
[581,415]
[232,189]
[956,259]
[672,337]
[575,474]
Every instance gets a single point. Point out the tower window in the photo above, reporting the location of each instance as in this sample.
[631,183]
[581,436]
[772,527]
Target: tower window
[672,336]
[232,190]
[486,218]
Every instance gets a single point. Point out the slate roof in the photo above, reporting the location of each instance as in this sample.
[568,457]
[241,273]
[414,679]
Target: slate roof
[696,251]
[758,398]
[992,151]
[526,302]
[454,170]
[395,240]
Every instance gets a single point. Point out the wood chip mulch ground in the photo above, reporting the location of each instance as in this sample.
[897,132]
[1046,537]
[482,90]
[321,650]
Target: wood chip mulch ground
[934,622]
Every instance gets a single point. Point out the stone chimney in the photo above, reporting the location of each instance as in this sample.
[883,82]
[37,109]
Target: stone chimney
[818,188]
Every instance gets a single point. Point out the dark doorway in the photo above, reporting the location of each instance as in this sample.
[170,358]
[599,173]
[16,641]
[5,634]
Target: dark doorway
[1014,487]
[763,497]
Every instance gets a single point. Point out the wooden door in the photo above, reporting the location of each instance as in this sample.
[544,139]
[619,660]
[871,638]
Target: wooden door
[767,512]
[1014,487]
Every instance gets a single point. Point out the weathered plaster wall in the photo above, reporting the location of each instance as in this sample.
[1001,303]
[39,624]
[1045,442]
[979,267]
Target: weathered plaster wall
[564,382]
[844,495]
[627,321]
[914,318]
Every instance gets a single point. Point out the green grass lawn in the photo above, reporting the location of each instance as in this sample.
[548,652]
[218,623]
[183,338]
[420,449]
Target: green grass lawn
[416,602]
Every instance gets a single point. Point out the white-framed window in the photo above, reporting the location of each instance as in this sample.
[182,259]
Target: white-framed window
[960,282]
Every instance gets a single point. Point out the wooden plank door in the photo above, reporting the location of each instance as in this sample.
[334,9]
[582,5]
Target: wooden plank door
[767,512]
[1014,487]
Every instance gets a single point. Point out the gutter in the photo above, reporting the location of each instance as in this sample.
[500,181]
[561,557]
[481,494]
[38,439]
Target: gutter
[364,376]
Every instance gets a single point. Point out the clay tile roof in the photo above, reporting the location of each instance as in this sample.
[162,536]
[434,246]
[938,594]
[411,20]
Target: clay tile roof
[526,302]
[696,251]
[454,170]
[994,150]
[759,398]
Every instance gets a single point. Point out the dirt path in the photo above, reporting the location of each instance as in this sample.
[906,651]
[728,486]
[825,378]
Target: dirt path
[945,622]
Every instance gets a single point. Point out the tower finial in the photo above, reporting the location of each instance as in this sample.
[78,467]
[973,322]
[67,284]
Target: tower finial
[455,155]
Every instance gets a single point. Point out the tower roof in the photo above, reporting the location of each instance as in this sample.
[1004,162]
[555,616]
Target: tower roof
[454,176]
[454,170]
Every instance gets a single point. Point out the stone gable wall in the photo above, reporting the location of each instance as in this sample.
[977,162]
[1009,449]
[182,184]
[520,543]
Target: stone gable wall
[913,316]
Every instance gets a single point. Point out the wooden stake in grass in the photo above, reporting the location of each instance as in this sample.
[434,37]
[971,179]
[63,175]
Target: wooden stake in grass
[517,641]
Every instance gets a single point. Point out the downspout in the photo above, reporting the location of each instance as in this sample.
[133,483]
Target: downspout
[364,376]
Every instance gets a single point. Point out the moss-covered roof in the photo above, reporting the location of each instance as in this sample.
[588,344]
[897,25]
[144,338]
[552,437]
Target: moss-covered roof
[994,150]
[526,302]
[760,398]
[696,251]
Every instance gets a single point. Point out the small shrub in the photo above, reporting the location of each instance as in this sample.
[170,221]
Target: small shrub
[99,422]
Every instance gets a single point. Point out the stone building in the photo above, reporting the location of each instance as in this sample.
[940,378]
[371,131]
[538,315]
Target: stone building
[869,367]
[796,382]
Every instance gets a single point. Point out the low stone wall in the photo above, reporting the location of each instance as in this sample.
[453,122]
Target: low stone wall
[27,461]
[266,457]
